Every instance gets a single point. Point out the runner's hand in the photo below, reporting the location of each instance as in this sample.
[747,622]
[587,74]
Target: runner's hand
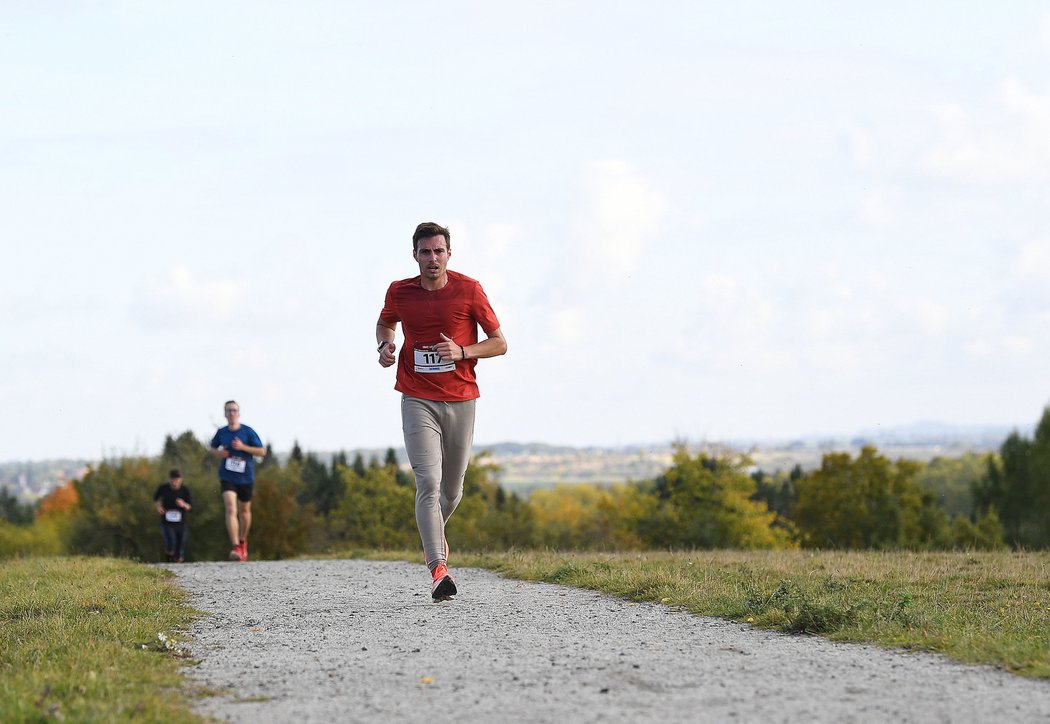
[386,355]
[448,349]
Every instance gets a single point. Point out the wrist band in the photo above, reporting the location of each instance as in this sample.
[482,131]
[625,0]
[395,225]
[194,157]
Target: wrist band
[462,352]
[381,345]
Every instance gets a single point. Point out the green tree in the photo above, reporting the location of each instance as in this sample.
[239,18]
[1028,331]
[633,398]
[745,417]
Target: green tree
[400,476]
[186,453]
[13,510]
[986,534]
[952,480]
[869,502]
[281,526]
[339,460]
[116,515]
[778,491]
[374,512]
[706,502]
[269,460]
[1017,487]
[585,516]
[487,518]
[359,465]
[321,488]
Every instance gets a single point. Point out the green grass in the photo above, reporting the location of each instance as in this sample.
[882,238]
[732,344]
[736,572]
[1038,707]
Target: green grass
[983,608]
[79,642]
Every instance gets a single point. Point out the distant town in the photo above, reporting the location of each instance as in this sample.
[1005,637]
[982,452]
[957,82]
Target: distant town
[524,467]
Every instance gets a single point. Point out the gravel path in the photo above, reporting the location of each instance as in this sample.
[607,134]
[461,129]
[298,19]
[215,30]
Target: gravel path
[361,641]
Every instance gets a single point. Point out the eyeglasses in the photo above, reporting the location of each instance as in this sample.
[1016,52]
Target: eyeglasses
[231,409]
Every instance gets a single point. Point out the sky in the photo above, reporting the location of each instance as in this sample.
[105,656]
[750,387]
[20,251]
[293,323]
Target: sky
[695,220]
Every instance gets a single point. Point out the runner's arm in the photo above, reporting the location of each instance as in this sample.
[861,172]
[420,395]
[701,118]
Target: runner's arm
[238,444]
[493,346]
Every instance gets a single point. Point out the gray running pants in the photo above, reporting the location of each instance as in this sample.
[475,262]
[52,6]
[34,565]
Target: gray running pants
[438,436]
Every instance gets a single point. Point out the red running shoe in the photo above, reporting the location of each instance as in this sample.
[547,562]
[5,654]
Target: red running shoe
[442,587]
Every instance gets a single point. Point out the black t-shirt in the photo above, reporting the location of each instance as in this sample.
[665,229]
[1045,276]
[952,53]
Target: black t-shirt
[167,496]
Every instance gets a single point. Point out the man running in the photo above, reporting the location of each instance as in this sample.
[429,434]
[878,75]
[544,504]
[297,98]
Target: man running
[173,500]
[236,445]
[439,312]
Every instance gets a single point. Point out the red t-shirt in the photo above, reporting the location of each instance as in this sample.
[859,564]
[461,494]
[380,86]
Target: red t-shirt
[455,310]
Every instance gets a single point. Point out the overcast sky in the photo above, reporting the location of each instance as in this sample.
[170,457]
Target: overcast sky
[695,220]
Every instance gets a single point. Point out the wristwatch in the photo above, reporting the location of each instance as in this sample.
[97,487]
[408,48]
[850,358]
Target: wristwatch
[381,345]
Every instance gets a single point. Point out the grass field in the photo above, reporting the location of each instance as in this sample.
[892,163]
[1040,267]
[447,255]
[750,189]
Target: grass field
[79,641]
[95,639]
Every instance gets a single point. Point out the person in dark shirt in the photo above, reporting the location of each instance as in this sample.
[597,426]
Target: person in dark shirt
[173,500]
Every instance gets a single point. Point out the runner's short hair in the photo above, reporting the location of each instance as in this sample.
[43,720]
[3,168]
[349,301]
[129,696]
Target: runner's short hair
[428,229]
[174,473]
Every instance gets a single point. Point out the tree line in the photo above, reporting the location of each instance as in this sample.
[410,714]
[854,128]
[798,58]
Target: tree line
[310,506]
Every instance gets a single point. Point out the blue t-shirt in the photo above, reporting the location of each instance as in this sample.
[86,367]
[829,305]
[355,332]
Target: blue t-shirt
[239,468]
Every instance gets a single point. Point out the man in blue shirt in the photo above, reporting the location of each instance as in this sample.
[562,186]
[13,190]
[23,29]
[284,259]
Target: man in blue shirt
[236,445]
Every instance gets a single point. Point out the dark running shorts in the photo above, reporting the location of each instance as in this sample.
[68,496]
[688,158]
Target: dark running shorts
[244,492]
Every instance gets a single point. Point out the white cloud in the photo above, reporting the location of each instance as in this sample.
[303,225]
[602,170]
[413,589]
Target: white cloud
[861,146]
[500,236]
[181,299]
[742,311]
[623,209]
[825,320]
[979,347]
[1002,144]
[569,326]
[931,316]
[838,357]
[486,253]
[1018,344]
[878,206]
[1034,260]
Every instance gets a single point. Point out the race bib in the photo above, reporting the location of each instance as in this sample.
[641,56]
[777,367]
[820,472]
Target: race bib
[173,516]
[236,465]
[428,361]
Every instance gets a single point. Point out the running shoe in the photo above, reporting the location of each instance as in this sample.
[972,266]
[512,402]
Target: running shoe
[244,550]
[442,587]
[235,553]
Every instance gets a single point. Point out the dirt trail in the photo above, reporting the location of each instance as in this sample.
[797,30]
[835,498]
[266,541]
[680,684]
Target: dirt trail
[361,641]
